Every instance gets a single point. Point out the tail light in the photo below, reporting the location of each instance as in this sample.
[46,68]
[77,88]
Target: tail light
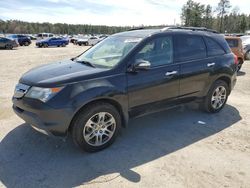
[235,60]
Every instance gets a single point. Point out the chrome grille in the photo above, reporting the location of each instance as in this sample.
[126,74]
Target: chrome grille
[20,90]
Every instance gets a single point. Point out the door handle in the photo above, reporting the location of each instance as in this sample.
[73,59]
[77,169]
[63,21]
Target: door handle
[210,64]
[171,73]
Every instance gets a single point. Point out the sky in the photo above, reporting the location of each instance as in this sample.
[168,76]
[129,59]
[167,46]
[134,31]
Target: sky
[103,12]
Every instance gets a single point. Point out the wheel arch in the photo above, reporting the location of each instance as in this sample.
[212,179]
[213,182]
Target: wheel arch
[225,79]
[116,104]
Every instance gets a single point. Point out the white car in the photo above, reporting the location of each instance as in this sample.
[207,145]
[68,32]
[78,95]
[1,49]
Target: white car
[93,41]
[245,39]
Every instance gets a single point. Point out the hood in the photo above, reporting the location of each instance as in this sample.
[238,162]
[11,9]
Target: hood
[59,73]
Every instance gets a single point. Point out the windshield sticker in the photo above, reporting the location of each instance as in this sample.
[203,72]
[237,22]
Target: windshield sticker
[133,40]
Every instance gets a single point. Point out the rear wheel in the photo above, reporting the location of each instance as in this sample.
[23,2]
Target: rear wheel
[216,97]
[96,127]
[9,46]
[63,45]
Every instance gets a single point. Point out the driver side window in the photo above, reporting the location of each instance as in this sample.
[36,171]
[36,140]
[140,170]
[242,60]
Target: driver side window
[157,51]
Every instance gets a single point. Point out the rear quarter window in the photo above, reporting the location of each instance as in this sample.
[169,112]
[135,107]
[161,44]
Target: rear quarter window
[213,48]
[233,43]
[189,47]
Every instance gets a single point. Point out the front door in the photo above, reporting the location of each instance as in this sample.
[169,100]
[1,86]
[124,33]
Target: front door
[161,81]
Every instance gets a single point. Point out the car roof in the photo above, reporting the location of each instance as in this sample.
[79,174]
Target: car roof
[232,37]
[143,33]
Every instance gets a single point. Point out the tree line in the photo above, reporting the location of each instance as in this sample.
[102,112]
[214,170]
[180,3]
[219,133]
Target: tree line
[16,26]
[222,18]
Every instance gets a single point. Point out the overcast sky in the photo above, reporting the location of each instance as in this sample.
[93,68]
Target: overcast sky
[104,12]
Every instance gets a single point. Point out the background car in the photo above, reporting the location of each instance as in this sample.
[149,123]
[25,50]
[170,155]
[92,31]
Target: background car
[32,37]
[246,46]
[21,39]
[93,41]
[44,35]
[235,43]
[54,41]
[7,43]
[82,41]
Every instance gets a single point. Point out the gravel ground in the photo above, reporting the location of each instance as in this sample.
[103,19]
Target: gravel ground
[181,147]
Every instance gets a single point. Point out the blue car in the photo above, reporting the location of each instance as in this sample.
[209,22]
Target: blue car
[54,41]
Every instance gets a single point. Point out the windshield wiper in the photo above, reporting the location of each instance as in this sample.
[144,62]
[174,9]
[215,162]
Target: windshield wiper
[86,63]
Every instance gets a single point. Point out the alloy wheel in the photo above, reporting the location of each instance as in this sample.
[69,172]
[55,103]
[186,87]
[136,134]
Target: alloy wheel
[219,97]
[99,129]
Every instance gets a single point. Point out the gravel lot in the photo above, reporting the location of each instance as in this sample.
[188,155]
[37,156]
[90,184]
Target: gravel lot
[181,147]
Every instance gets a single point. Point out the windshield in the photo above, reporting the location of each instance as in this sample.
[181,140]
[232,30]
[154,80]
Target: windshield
[110,51]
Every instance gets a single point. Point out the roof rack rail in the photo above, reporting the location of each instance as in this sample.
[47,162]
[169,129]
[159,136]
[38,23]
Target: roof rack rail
[191,28]
[136,28]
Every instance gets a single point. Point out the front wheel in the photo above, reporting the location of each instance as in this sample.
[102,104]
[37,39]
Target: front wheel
[240,62]
[216,97]
[26,44]
[96,127]
[248,55]
[45,45]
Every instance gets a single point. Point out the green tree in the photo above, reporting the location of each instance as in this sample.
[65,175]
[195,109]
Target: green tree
[222,9]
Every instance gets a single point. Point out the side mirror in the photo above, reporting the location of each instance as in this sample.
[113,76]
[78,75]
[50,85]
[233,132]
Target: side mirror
[141,64]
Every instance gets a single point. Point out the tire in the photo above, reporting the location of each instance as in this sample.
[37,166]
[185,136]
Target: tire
[8,47]
[26,44]
[212,99]
[63,45]
[86,44]
[240,62]
[88,127]
[45,45]
[247,55]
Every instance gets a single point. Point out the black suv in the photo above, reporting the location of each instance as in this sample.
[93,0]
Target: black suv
[21,39]
[126,75]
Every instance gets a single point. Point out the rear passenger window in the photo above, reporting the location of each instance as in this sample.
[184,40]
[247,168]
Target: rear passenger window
[213,48]
[158,51]
[189,48]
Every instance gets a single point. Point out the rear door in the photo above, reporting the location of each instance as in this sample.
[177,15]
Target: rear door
[2,43]
[53,42]
[195,67]
[160,82]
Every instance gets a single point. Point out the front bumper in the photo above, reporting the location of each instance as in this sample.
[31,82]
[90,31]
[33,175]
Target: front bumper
[42,117]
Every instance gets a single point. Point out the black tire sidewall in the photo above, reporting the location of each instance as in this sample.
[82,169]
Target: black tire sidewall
[9,47]
[84,116]
[207,104]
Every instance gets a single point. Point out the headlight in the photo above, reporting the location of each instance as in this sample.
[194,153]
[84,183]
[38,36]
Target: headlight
[42,94]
